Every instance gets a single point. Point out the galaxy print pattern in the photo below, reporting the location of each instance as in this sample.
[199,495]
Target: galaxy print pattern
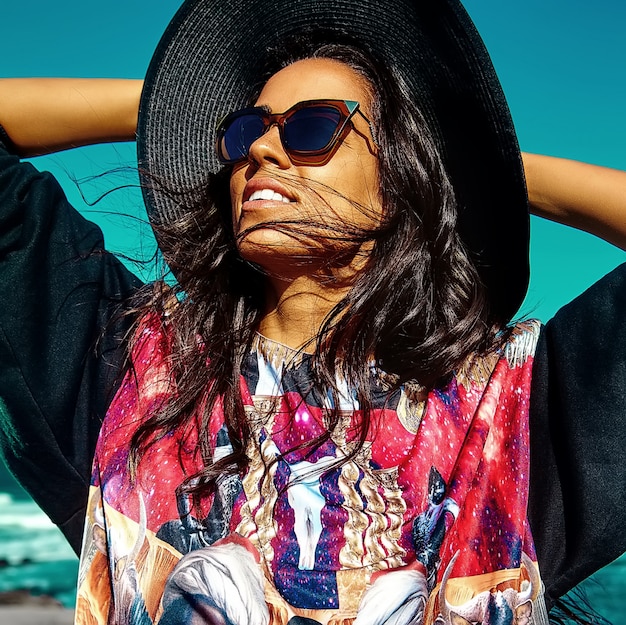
[426,525]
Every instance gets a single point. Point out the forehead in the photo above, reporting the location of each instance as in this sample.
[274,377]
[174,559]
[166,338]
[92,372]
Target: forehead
[313,79]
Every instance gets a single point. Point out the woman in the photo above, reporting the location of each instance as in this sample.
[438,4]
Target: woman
[331,419]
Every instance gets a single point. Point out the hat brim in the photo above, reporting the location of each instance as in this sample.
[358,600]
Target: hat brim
[211,57]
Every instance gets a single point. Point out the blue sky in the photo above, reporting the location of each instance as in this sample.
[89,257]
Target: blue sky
[562,64]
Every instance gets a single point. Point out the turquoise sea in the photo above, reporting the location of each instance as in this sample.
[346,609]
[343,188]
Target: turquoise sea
[34,555]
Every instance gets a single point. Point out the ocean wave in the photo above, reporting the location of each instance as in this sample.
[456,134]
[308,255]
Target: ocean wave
[27,535]
[55,579]
[26,514]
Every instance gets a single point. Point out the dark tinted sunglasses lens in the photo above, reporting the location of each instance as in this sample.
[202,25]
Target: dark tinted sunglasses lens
[311,129]
[238,135]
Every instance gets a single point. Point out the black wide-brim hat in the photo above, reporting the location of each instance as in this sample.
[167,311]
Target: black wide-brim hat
[213,54]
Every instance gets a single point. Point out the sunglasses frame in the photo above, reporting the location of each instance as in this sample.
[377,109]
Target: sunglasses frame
[347,108]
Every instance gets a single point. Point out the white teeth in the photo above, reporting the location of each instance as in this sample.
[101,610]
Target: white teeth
[268,194]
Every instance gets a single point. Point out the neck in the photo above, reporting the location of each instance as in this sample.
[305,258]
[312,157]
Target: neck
[296,310]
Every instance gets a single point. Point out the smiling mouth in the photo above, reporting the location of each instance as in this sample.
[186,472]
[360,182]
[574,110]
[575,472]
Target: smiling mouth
[268,194]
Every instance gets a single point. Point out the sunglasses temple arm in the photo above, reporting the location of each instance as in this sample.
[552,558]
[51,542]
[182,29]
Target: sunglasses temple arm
[371,127]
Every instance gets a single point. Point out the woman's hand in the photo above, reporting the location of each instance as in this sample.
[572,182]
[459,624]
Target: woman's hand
[584,196]
[43,115]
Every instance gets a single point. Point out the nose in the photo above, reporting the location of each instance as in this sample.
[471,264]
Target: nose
[268,149]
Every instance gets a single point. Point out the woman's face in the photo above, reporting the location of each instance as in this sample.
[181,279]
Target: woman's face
[342,192]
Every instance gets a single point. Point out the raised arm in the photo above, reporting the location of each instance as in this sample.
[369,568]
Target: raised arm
[61,328]
[43,115]
[584,196]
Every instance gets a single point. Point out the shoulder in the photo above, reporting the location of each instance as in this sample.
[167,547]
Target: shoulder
[522,342]
[582,350]
[602,307]
[154,328]
[513,354]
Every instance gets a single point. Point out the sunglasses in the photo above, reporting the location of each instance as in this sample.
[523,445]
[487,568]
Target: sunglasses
[308,131]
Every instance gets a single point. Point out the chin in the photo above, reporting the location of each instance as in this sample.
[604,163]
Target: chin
[280,254]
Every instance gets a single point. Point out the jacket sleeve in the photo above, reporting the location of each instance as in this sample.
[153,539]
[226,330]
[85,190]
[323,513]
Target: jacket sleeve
[577,507]
[61,331]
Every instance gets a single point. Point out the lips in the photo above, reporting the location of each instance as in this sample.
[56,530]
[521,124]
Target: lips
[268,194]
[266,190]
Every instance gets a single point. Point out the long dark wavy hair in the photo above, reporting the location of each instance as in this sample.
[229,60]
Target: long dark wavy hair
[418,307]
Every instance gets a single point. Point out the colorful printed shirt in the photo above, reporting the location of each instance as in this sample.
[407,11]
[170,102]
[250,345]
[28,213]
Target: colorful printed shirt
[426,524]
[57,368]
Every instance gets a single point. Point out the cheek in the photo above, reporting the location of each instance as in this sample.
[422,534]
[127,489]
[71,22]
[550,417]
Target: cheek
[367,191]
[356,184]
[237,185]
